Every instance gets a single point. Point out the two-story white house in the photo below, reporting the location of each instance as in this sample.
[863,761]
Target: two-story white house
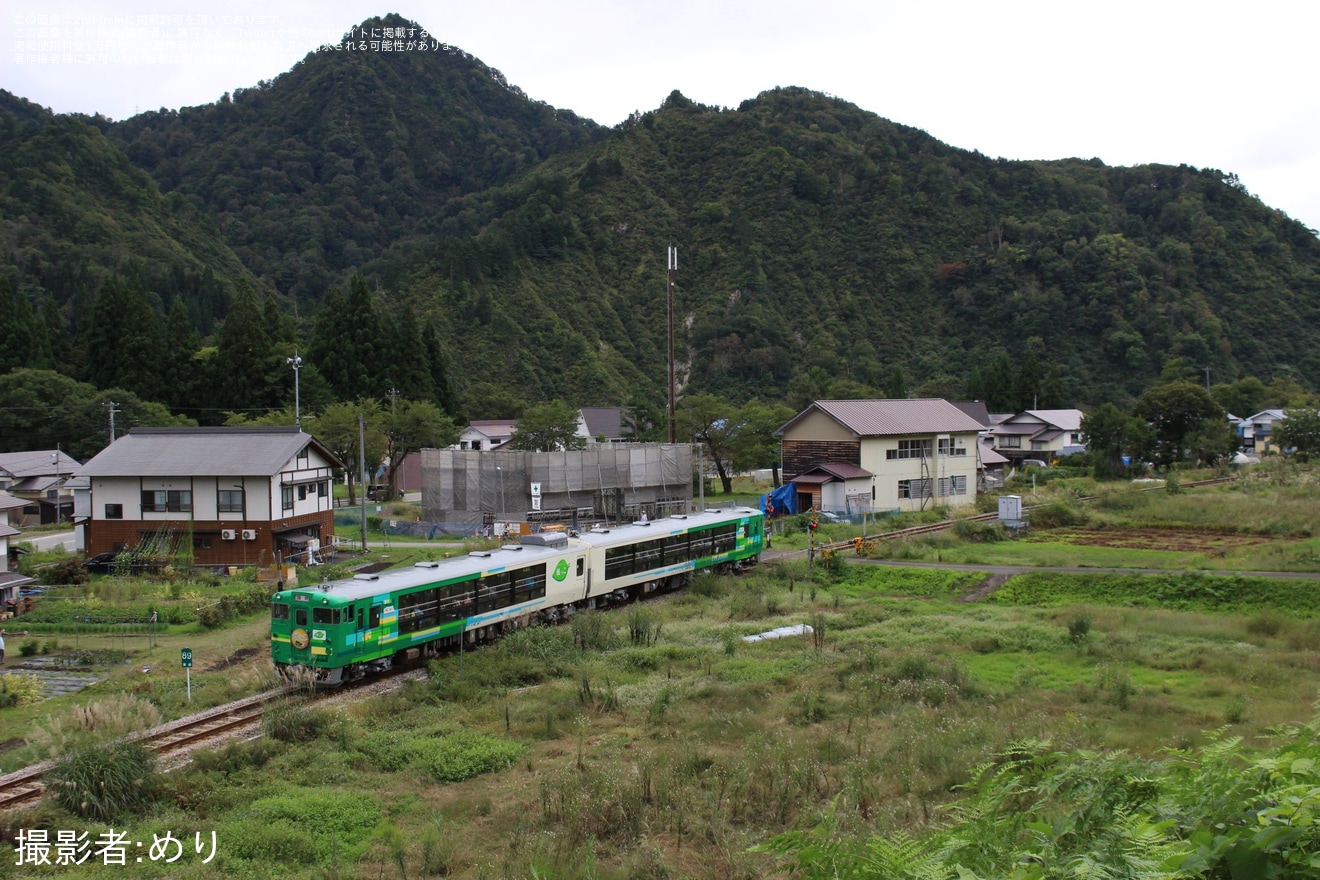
[905,454]
[483,435]
[237,495]
[1042,434]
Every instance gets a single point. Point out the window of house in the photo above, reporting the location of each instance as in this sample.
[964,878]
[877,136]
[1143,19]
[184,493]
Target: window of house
[914,488]
[1039,445]
[1009,441]
[909,449]
[201,542]
[286,497]
[167,500]
[230,500]
[952,486]
[114,511]
[302,457]
[947,447]
[302,493]
[323,488]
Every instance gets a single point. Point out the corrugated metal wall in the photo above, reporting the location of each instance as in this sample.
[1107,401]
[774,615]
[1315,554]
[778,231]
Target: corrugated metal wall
[606,481]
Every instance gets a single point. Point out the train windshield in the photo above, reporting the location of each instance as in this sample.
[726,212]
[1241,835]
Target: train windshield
[278,611]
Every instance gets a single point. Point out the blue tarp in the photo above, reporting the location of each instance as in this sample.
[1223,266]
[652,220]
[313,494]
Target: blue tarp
[784,500]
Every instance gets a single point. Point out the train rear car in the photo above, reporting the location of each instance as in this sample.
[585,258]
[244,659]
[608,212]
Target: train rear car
[637,558]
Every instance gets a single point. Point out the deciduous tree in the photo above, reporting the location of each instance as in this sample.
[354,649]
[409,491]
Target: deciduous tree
[1299,433]
[1174,411]
[411,425]
[549,427]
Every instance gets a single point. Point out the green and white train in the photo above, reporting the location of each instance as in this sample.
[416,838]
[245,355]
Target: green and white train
[347,629]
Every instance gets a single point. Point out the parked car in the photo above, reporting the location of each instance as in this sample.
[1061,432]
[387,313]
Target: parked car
[108,563]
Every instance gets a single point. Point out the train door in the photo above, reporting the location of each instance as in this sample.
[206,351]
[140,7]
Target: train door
[582,572]
[353,629]
[300,639]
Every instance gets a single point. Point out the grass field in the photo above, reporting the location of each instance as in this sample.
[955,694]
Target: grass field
[654,742]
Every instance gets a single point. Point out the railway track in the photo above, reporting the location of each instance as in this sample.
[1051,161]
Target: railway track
[175,738]
[24,786]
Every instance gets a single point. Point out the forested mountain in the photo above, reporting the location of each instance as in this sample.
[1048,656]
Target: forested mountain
[823,250]
[815,234]
[348,155]
[76,211]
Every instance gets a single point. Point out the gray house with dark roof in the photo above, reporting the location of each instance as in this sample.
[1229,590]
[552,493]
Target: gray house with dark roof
[235,495]
[905,454]
[38,477]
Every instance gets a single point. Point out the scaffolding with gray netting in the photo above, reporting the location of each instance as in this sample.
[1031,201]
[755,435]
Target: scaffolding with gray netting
[466,490]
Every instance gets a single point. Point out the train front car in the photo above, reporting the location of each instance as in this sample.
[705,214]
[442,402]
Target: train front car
[637,558]
[342,630]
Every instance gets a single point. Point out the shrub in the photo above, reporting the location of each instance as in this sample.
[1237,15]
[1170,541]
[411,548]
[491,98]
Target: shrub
[978,531]
[1057,514]
[465,754]
[67,571]
[592,631]
[105,782]
[294,722]
[1079,628]
[19,690]
[1265,624]
[29,648]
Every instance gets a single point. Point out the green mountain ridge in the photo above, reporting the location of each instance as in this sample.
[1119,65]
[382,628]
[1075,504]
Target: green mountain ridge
[822,248]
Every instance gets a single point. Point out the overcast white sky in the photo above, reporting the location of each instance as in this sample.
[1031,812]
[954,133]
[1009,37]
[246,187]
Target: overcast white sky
[1209,83]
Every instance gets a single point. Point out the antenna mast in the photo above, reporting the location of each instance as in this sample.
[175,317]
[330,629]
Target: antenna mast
[673,267]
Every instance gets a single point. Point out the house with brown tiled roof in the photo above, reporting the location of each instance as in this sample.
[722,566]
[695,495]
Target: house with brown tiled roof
[10,579]
[905,454]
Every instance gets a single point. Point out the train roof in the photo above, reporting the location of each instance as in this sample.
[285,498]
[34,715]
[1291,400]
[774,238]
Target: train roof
[547,545]
[676,524]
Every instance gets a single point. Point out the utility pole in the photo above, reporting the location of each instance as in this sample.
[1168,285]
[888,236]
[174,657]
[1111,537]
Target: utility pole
[296,363]
[673,267]
[111,405]
[362,462]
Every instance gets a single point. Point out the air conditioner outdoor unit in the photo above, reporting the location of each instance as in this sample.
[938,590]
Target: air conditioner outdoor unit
[228,534]
[249,534]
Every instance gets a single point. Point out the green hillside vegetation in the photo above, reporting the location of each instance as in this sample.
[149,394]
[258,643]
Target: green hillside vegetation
[824,251]
[346,157]
[815,235]
[78,211]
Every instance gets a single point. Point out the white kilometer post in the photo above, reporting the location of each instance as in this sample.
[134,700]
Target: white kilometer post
[185,656]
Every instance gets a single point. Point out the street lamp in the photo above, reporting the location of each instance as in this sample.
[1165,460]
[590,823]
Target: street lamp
[296,363]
